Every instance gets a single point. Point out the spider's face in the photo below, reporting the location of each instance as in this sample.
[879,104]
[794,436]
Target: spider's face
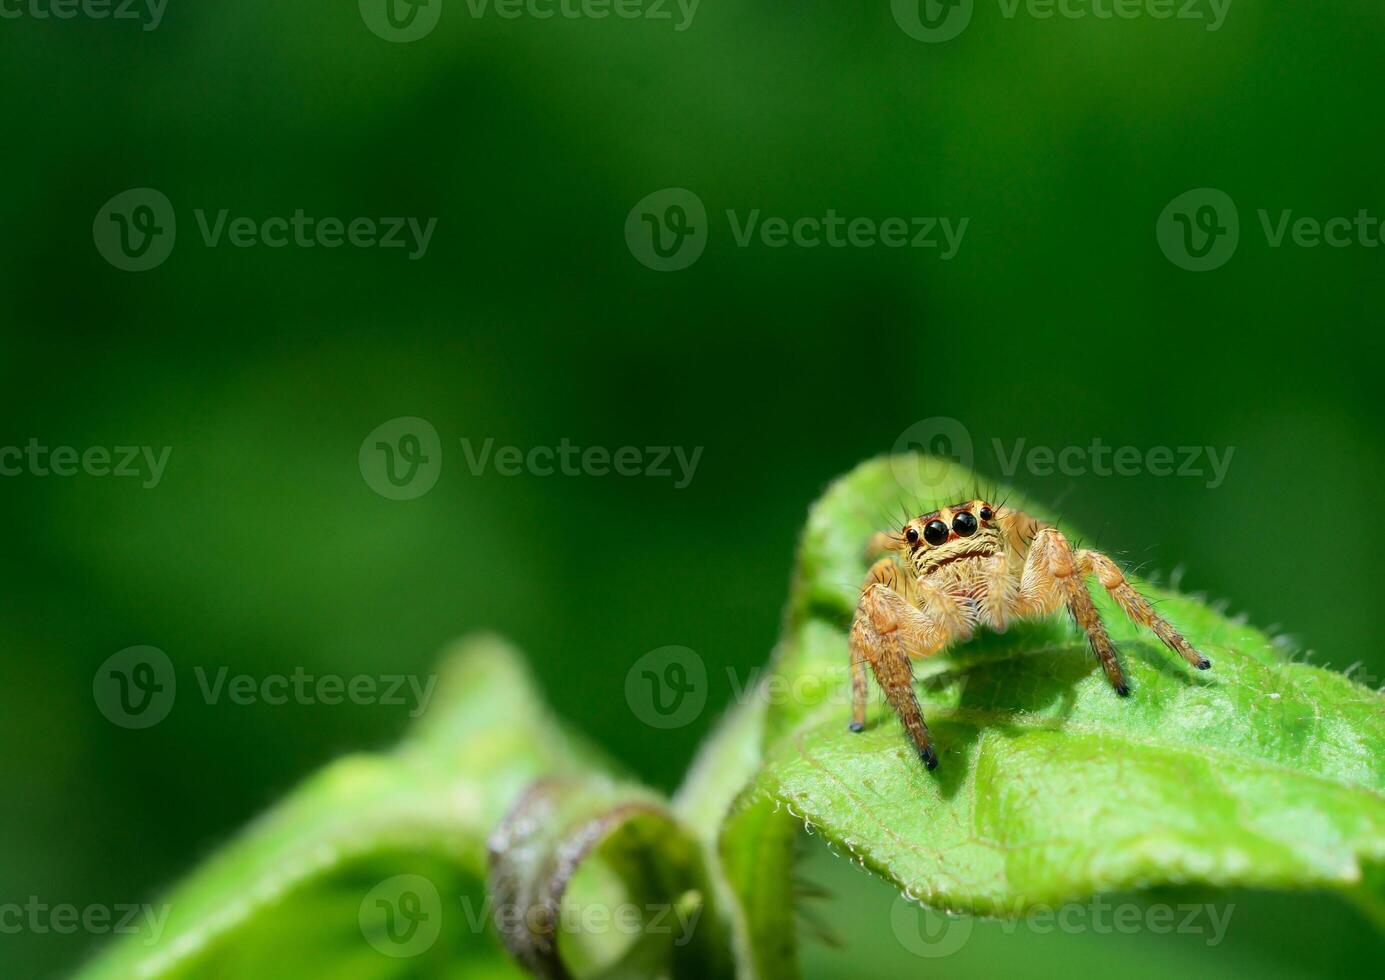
[959,533]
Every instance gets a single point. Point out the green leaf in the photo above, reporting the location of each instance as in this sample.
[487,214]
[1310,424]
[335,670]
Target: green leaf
[375,866]
[1262,772]
[757,858]
[750,847]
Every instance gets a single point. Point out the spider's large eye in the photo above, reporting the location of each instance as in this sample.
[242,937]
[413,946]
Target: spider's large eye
[912,535]
[935,532]
[964,524]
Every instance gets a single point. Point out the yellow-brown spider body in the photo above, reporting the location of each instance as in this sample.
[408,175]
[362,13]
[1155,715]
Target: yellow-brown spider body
[973,564]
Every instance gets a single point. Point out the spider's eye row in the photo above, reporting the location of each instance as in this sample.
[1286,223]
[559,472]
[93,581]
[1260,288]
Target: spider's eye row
[986,513]
[935,532]
[964,524]
[912,534]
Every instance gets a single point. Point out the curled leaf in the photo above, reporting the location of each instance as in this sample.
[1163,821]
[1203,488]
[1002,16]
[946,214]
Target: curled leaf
[601,880]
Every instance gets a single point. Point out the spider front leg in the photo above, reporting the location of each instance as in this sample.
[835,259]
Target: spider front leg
[887,630]
[1053,576]
[1137,607]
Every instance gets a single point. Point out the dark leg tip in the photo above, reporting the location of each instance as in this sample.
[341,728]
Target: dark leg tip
[1123,690]
[930,758]
[856,726]
[1204,664]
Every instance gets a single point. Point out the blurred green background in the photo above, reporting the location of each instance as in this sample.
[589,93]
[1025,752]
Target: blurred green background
[529,320]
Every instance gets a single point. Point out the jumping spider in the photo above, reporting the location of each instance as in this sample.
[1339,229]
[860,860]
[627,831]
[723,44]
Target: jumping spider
[969,564]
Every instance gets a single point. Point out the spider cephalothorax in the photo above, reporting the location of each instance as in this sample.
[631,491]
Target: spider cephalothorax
[975,563]
[958,533]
